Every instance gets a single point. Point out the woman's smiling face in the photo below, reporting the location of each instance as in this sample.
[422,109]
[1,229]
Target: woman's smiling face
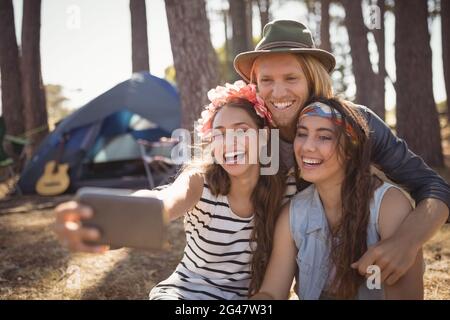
[236,156]
[316,150]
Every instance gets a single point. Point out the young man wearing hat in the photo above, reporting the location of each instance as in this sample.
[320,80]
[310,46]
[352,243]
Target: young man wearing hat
[288,69]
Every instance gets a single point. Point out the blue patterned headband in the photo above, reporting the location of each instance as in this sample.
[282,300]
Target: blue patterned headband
[319,109]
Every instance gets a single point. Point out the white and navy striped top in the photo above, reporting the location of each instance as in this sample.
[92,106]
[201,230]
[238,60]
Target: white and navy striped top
[217,257]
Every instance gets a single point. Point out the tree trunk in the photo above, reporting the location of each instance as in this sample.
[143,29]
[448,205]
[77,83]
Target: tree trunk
[12,102]
[194,57]
[325,25]
[229,73]
[36,121]
[380,107]
[263,6]
[311,17]
[445,20]
[239,21]
[417,117]
[362,67]
[139,40]
[249,20]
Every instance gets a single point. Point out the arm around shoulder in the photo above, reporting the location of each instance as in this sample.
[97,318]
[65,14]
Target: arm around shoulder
[394,209]
[392,155]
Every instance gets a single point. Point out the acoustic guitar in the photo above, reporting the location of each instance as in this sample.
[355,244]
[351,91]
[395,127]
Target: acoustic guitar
[55,179]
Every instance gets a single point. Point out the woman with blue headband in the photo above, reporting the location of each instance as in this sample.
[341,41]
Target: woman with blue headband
[344,211]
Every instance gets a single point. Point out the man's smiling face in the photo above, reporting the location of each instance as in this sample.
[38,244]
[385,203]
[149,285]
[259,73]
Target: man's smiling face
[283,86]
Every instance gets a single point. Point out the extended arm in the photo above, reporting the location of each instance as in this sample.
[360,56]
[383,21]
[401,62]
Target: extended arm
[179,197]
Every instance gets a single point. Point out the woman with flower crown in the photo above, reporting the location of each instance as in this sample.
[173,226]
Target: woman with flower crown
[229,207]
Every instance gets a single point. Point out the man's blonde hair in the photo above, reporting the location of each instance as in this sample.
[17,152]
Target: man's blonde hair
[319,80]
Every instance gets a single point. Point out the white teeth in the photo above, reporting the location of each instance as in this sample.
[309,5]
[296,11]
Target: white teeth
[234,157]
[311,161]
[283,105]
[233,154]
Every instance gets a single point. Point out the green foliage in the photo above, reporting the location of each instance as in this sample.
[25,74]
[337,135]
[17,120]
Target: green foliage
[226,72]
[170,74]
[442,107]
[55,104]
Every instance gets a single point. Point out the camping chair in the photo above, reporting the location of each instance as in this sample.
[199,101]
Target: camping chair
[156,157]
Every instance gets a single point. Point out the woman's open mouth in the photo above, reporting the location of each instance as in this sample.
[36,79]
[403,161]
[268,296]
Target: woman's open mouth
[236,157]
[311,163]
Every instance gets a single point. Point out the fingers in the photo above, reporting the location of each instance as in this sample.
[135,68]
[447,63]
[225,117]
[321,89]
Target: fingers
[391,268]
[89,234]
[74,237]
[369,258]
[373,257]
[386,272]
[391,280]
[397,274]
[91,249]
[385,267]
[79,245]
[69,230]
[72,211]
[405,266]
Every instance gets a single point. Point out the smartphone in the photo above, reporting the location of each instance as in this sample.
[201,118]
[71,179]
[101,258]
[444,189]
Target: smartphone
[124,220]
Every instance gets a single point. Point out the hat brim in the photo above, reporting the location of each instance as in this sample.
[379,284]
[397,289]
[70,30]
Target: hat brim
[244,61]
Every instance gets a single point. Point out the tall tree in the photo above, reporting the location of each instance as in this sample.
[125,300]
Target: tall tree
[311,17]
[264,16]
[417,117]
[325,25]
[249,20]
[381,76]
[139,40]
[445,20]
[365,77]
[226,68]
[36,121]
[194,57]
[239,22]
[12,102]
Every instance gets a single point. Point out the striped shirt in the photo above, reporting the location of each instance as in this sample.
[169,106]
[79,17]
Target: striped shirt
[217,257]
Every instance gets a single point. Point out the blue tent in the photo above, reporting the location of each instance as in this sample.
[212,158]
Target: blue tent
[100,138]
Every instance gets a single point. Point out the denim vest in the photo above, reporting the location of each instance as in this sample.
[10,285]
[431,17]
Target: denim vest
[309,229]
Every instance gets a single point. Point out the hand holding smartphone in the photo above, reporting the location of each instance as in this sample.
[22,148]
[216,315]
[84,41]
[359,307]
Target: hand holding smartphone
[124,220]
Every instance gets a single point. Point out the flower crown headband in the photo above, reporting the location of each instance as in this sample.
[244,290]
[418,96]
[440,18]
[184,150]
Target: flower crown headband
[222,95]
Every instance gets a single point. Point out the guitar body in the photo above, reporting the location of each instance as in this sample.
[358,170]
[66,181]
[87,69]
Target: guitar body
[55,179]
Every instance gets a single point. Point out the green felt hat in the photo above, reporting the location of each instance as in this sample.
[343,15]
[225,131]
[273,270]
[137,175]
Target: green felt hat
[283,36]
